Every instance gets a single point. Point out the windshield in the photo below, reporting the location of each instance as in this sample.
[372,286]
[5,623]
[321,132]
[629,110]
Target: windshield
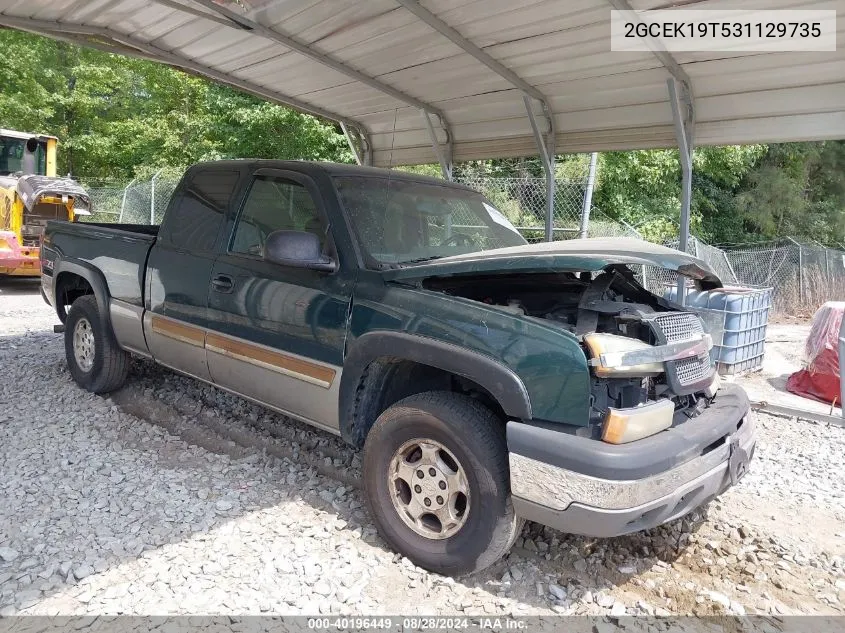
[401,221]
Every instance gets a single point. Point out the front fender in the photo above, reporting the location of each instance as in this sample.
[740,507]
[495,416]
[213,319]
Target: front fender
[546,360]
[500,381]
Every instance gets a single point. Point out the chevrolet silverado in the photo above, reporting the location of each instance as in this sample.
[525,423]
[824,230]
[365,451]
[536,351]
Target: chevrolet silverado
[486,379]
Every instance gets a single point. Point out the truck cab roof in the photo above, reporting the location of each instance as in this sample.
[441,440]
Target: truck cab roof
[331,169]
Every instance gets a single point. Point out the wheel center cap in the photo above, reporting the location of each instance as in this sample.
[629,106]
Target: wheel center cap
[431,487]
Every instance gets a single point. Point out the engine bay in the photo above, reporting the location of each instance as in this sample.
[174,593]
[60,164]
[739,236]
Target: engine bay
[611,302]
[614,295]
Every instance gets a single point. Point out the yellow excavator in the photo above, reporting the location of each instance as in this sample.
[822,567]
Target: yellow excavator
[30,195]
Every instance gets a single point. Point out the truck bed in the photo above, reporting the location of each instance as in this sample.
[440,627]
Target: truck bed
[120,251]
[145,232]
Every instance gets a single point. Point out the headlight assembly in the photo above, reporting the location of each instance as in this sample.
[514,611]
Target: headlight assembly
[614,355]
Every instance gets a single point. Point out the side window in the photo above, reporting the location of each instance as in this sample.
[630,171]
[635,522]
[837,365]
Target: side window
[274,204]
[195,217]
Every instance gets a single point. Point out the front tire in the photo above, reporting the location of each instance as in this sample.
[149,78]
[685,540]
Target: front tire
[437,482]
[94,359]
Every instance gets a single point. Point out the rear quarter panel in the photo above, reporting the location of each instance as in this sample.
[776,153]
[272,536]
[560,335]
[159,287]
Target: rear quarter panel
[119,255]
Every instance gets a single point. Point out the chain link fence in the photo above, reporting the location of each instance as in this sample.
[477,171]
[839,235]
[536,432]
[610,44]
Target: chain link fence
[523,201]
[803,275]
[136,202]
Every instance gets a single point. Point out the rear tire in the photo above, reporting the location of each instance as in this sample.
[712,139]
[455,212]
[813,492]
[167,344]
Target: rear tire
[94,359]
[439,442]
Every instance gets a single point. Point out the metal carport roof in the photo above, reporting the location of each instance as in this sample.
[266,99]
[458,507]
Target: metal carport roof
[415,80]
[376,64]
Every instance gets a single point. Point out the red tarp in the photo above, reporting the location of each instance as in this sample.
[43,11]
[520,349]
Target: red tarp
[820,379]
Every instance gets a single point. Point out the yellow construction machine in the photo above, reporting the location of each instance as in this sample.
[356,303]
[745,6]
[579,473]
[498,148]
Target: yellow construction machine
[31,194]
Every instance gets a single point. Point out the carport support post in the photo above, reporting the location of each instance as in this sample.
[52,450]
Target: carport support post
[359,143]
[546,149]
[588,197]
[684,126]
[841,378]
[153,197]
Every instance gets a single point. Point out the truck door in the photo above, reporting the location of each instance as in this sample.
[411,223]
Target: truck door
[278,331]
[179,269]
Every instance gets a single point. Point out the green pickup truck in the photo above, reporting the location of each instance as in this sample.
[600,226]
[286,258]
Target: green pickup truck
[487,380]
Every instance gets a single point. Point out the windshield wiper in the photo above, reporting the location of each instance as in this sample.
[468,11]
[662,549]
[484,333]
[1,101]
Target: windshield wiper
[420,260]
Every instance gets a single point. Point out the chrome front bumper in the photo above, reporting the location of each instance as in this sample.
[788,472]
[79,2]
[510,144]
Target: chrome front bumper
[581,504]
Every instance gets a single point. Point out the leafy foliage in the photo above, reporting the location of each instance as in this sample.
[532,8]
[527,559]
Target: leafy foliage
[740,193]
[116,116]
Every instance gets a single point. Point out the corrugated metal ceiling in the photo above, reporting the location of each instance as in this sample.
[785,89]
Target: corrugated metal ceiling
[373,65]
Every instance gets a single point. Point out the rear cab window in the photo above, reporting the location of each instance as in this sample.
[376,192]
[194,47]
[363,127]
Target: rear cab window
[196,214]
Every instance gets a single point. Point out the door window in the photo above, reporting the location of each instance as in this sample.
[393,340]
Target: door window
[274,204]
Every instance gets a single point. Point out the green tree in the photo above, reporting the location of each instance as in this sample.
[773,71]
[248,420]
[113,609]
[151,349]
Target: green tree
[796,189]
[116,116]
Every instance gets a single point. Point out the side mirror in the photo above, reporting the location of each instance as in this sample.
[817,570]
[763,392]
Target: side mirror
[297,249]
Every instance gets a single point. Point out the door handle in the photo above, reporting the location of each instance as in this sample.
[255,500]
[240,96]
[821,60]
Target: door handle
[222,283]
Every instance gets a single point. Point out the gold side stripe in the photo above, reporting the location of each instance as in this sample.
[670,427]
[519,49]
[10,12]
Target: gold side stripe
[186,333]
[253,354]
[274,361]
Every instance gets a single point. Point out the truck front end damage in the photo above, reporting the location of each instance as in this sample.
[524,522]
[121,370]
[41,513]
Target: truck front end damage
[583,486]
[662,435]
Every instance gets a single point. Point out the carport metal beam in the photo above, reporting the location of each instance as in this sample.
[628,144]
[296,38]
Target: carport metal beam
[241,22]
[545,146]
[468,47]
[442,150]
[656,47]
[173,4]
[359,143]
[680,93]
[547,155]
[115,42]
[683,117]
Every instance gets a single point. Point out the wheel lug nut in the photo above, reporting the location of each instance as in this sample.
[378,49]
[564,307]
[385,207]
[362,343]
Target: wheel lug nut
[439,499]
[427,501]
[432,472]
[417,489]
[420,474]
[442,485]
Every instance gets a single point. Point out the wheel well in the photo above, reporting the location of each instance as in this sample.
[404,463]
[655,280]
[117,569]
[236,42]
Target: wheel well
[69,287]
[387,380]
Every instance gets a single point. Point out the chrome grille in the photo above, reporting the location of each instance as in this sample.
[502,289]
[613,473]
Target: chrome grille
[678,326]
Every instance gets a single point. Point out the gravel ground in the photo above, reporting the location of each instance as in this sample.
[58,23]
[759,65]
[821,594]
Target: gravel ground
[171,497]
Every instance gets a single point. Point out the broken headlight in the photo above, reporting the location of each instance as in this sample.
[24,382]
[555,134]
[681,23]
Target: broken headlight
[614,355]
